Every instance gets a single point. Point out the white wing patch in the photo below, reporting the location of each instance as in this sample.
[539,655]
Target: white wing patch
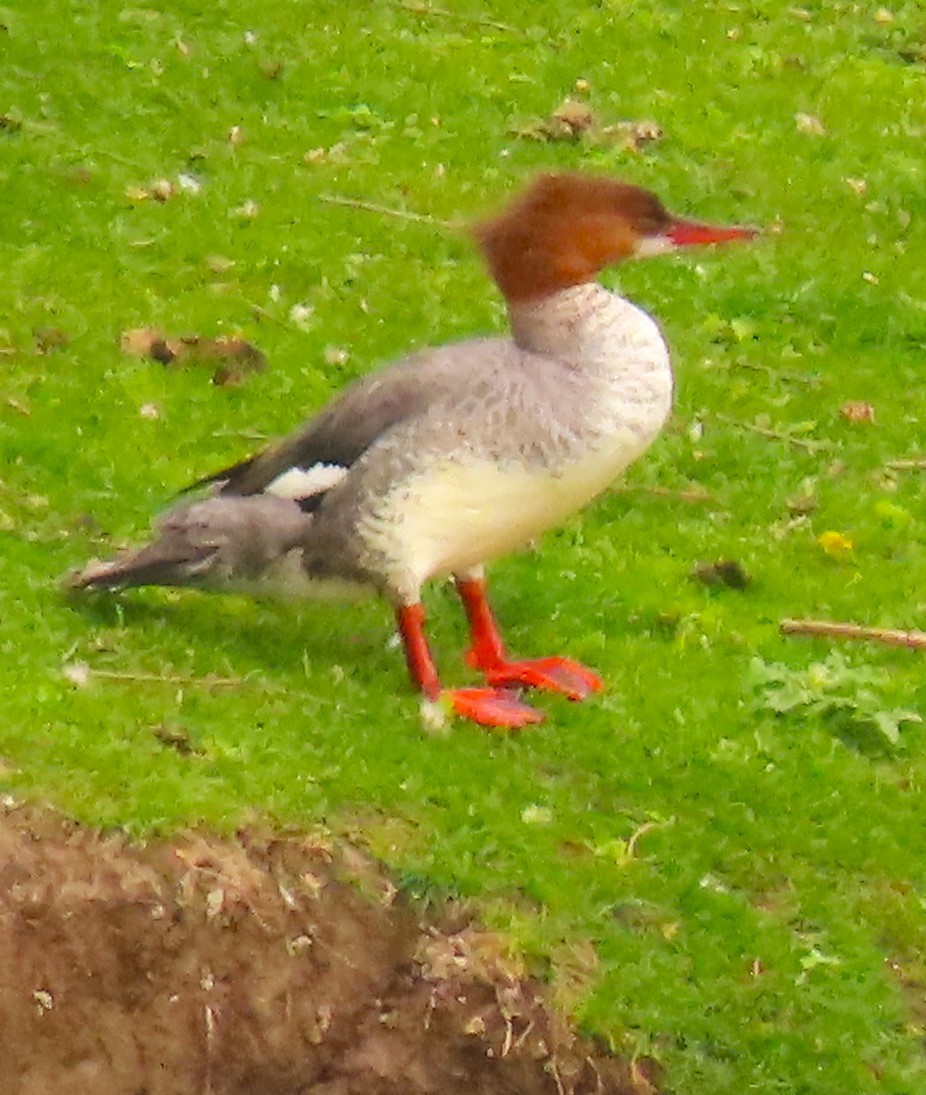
[299,483]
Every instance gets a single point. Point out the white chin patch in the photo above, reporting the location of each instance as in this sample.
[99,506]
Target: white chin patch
[299,483]
[649,246]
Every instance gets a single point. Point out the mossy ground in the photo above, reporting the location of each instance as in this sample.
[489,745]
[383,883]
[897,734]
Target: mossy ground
[765,930]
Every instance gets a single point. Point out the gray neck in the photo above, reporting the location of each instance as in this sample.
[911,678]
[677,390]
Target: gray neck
[584,324]
[616,347]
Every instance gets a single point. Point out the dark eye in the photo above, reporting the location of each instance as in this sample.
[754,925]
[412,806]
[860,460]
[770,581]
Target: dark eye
[649,225]
[652,217]
[644,211]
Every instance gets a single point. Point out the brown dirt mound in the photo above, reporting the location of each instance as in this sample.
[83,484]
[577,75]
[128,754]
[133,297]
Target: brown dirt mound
[268,964]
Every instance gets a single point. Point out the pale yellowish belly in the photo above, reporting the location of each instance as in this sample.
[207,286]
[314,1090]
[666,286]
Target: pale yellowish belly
[458,515]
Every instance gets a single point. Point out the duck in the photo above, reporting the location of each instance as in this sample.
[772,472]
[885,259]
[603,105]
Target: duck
[438,464]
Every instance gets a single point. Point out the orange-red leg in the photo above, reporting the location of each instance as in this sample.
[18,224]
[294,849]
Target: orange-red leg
[487,706]
[487,653]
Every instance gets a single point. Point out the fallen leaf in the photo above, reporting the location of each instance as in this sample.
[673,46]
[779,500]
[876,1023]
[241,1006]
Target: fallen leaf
[247,211]
[50,338]
[857,411]
[723,572]
[634,135]
[162,189]
[219,264]
[142,342]
[809,124]
[174,737]
[536,815]
[337,153]
[574,120]
[336,355]
[231,357]
[800,505]
[570,119]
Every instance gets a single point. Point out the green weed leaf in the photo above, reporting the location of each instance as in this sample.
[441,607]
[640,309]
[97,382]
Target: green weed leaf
[848,697]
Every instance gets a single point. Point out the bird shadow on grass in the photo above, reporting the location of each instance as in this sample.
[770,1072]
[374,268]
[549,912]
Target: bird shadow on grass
[243,634]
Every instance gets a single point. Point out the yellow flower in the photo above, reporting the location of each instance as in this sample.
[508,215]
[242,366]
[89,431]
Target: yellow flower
[835,544]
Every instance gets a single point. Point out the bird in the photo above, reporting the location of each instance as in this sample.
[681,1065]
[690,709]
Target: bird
[436,465]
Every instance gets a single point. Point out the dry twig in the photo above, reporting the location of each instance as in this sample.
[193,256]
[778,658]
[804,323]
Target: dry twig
[810,379]
[694,494]
[831,629]
[918,464]
[443,13]
[209,681]
[383,210]
[82,673]
[641,831]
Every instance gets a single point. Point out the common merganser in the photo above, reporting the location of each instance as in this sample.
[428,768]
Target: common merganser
[453,456]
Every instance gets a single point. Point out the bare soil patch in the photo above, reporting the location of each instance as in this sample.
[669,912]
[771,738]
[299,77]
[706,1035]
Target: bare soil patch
[267,964]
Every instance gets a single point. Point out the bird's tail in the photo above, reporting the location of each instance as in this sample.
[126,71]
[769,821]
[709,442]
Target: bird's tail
[219,542]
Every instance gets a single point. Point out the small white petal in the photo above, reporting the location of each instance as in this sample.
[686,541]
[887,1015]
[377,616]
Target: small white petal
[78,674]
[189,184]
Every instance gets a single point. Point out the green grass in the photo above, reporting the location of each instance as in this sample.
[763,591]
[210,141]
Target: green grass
[766,933]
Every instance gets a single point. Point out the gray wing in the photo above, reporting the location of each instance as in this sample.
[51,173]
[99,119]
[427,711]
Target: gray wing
[371,407]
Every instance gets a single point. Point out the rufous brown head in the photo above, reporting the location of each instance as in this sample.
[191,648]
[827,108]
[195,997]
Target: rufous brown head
[566,228]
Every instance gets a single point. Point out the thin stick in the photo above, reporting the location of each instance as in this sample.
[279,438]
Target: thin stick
[242,435]
[442,13]
[696,494]
[807,443]
[168,678]
[830,629]
[641,831]
[794,378]
[908,465]
[383,210]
